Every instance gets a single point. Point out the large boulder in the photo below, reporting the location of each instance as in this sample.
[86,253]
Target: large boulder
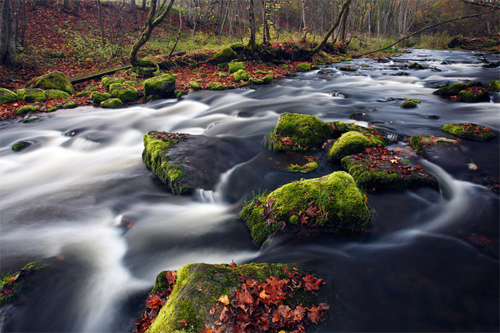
[54,80]
[384,169]
[31,95]
[243,298]
[162,86]
[225,55]
[7,96]
[332,202]
[299,132]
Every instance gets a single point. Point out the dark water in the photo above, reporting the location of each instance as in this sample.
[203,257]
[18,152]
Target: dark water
[429,261]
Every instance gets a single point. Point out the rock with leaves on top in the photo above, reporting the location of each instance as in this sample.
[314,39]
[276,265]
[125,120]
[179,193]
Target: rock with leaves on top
[54,80]
[470,131]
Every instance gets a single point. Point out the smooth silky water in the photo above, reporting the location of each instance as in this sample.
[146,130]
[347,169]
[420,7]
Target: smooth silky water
[81,196]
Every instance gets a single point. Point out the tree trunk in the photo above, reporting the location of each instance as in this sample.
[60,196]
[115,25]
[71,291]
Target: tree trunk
[345,7]
[22,33]
[143,6]
[76,6]
[7,34]
[251,42]
[344,24]
[101,23]
[149,25]
[304,25]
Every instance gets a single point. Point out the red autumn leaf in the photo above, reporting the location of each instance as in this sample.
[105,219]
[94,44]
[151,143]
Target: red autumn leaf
[311,283]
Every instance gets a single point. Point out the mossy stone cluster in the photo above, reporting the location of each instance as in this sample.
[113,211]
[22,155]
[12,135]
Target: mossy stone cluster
[299,132]
[353,143]
[109,80]
[493,86]
[162,86]
[470,131]
[199,286]
[333,201]
[7,96]
[155,156]
[54,80]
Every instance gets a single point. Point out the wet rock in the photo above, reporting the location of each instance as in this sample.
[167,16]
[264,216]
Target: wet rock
[473,91]
[384,169]
[187,162]
[410,103]
[329,202]
[54,80]
[470,131]
[12,285]
[298,132]
[20,145]
[474,95]
[420,143]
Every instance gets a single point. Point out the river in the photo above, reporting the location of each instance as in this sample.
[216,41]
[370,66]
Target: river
[429,261]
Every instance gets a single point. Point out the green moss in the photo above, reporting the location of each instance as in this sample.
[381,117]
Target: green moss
[299,132]
[123,92]
[221,74]
[162,86]
[98,97]
[304,67]
[112,103]
[52,109]
[383,169]
[109,80]
[225,55]
[54,80]
[26,109]
[470,131]
[259,72]
[54,93]
[155,156]
[237,47]
[307,168]
[70,105]
[241,75]
[194,85]
[493,85]
[12,285]
[332,201]
[353,143]
[7,96]
[410,103]
[419,143]
[322,54]
[215,86]
[474,95]
[199,286]
[82,94]
[454,89]
[31,95]
[222,66]
[235,66]
[20,145]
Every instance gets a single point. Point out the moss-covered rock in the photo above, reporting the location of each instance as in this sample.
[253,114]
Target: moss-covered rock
[215,86]
[109,80]
[155,156]
[340,127]
[83,94]
[299,132]
[225,55]
[306,168]
[54,80]
[221,74]
[410,103]
[493,85]
[70,105]
[454,89]
[123,92]
[194,85]
[241,75]
[237,47]
[162,86]
[416,65]
[233,67]
[31,95]
[98,97]
[353,143]
[420,142]
[112,103]
[26,109]
[54,93]
[7,96]
[20,145]
[383,169]
[470,131]
[474,95]
[304,67]
[333,201]
[202,292]
[11,285]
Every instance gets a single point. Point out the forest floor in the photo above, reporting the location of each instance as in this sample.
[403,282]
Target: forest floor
[58,40]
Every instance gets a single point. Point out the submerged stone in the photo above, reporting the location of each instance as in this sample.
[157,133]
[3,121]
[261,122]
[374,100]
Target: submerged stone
[7,96]
[353,143]
[162,86]
[419,143]
[197,296]
[54,80]
[410,103]
[332,202]
[470,131]
[384,169]
[298,132]
[20,145]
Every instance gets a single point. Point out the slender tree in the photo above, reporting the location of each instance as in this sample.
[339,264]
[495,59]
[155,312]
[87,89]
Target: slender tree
[155,17]
[251,42]
[7,33]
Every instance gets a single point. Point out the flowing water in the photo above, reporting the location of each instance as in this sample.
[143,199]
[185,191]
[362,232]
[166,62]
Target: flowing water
[80,196]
